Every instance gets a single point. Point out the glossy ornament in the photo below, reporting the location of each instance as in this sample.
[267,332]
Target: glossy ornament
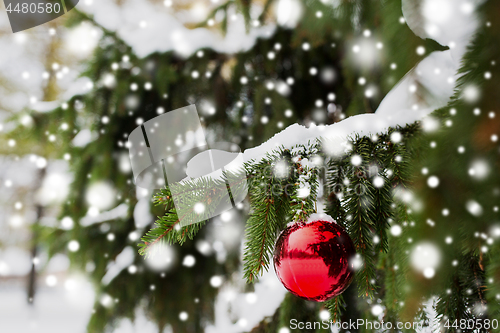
[314,260]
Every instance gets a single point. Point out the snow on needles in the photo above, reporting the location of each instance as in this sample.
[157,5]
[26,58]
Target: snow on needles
[333,135]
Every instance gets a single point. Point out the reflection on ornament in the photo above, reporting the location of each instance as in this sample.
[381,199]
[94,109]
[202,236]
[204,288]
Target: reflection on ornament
[314,260]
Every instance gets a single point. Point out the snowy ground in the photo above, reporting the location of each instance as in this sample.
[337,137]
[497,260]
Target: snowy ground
[55,310]
[67,308]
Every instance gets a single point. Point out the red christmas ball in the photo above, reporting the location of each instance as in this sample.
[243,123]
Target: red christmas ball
[314,260]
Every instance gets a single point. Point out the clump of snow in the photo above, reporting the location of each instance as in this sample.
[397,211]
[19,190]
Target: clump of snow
[125,20]
[122,261]
[445,21]
[335,134]
[320,217]
[306,163]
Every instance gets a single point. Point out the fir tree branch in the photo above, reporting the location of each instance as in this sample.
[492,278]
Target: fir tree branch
[206,191]
[270,211]
[381,211]
[492,289]
[358,203]
[336,306]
